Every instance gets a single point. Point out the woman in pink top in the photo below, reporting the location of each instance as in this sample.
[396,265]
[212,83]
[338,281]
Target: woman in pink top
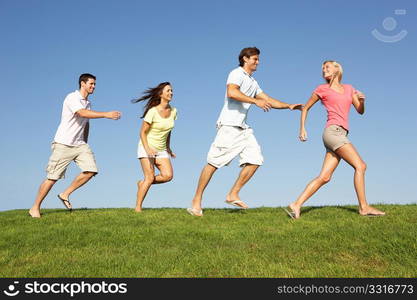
[337,99]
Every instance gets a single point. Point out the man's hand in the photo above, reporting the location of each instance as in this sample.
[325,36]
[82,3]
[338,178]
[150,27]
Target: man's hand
[296,106]
[114,115]
[264,104]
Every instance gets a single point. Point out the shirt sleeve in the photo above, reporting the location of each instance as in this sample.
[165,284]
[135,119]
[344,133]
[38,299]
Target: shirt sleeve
[149,116]
[235,77]
[354,91]
[319,91]
[258,89]
[175,113]
[74,104]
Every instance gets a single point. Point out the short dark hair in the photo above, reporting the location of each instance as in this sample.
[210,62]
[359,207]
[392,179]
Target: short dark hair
[84,78]
[247,52]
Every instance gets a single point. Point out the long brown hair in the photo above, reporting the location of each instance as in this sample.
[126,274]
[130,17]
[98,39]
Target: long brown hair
[153,95]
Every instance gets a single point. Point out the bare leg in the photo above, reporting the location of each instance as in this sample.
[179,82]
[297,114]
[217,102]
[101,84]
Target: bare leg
[78,182]
[352,157]
[147,165]
[165,171]
[245,174]
[331,161]
[203,181]
[44,189]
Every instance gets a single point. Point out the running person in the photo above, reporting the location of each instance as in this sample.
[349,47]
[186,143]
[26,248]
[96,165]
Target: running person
[70,143]
[337,98]
[155,135]
[234,137]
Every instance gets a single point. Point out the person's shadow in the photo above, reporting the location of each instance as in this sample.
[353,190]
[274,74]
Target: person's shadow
[350,209]
[63,211]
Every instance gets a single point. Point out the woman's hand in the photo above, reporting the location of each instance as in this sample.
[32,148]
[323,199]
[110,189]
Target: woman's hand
[151,152]
[172,154]
[303,135]
[361,96]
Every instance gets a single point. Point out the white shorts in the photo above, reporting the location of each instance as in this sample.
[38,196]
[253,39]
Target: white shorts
[232,141]
[142,153]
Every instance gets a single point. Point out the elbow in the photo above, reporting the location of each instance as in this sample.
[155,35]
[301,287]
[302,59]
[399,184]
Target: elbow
[231,92]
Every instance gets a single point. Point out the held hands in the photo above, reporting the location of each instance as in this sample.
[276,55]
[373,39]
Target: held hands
[114,115]
[296,106]
[303,135]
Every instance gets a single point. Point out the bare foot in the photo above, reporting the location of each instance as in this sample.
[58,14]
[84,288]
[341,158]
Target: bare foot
[34,213]
[138,210]
[371,211]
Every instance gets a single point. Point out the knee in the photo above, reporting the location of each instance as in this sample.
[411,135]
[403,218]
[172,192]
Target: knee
[149,178]
[167,177]
[323,179]
[361,167]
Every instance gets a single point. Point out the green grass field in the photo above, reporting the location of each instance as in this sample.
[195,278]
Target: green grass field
[168,242]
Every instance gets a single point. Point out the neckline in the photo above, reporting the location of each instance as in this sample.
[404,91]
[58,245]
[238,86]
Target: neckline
[162,116]
[344,90]
[244,71]
[81,96]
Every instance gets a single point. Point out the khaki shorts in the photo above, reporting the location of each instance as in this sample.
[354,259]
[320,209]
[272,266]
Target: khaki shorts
[232,141]
[334,137]
[62,155]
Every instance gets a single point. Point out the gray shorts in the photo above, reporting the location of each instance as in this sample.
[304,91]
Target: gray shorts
[334,137]
[62,155]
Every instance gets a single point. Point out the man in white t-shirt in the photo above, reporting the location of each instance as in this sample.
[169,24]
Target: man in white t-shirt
[234,137]
[70,143]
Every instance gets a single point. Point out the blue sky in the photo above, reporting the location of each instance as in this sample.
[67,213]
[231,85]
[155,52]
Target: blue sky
[133,45]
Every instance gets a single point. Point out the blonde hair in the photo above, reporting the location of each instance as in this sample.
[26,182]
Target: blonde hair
[339,74]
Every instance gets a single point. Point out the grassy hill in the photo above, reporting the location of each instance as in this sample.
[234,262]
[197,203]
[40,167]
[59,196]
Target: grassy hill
[168,242]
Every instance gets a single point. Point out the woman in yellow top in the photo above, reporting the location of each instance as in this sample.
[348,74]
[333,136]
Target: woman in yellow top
[155,134]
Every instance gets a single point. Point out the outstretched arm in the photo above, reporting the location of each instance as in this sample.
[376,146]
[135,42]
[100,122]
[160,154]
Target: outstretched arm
[91,114]
[234,92]
[303,133]
[275,103]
